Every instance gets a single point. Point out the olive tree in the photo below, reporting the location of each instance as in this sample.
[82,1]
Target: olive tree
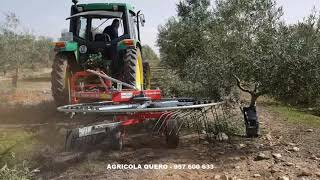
[149,55]
[211,46]
[20,49]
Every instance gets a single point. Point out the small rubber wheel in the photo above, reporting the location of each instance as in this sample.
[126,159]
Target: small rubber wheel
[71,140]
[172,134]
[117,140]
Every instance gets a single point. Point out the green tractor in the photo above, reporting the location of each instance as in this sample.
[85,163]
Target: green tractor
[103,36]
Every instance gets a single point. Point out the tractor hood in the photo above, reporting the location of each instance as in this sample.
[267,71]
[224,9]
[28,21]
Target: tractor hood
[110,14]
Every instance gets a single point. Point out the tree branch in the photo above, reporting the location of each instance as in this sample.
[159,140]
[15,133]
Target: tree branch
[241,87]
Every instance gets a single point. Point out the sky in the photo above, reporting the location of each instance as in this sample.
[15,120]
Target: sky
[47,17]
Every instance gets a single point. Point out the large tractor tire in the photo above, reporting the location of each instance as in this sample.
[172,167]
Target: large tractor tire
[60,76]
[133,68]
[146,75]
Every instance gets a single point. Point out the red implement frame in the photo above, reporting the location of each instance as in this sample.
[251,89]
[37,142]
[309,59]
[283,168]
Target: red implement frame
[103,91]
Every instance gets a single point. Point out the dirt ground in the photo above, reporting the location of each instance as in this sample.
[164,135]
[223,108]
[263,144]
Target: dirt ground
[283,151]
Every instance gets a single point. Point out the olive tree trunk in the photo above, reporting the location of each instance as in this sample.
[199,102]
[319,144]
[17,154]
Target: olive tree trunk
[15,78]
[253,93]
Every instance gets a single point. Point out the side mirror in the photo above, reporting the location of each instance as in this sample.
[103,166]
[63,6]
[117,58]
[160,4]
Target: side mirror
[75,2]
[142,19]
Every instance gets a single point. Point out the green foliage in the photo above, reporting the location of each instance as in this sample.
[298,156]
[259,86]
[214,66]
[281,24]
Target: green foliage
[295,115]
[17,172]
[247,38]
[298,77]
[171,85]
[15,147]
[185,47]
[227,126]
[149,55]
[95,60]
[20,49]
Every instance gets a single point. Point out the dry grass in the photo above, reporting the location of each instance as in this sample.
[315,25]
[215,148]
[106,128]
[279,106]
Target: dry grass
[295,115]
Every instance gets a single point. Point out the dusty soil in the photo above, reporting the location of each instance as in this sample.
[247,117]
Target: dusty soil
[237,158]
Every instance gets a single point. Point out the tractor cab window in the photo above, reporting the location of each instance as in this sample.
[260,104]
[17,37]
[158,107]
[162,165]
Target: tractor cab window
[82,27]
[100,24]
[133,24]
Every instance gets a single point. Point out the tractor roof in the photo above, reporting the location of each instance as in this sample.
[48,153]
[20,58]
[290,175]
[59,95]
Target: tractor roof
[105,6]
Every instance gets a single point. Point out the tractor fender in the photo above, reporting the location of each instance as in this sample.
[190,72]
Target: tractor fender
[67,47]
[128,43]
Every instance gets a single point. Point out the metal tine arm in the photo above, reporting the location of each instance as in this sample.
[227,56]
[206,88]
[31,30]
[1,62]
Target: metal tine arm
[154,127]
[167,117]
[181,114]
[183,121]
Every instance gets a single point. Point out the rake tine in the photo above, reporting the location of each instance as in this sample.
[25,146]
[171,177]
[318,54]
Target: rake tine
[223,112]
[173,118]
[186,113]
[205,120]
[167,117]
[164,119]
[213,114]
[216,113]
[154,127]
[198,119]
[190,122]
[189,118]
[183,122]
[176,116]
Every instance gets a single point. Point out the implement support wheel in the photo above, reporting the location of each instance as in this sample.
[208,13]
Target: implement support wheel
[172,134]
[117,139]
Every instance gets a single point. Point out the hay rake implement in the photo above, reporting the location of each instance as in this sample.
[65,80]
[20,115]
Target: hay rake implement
[130,106]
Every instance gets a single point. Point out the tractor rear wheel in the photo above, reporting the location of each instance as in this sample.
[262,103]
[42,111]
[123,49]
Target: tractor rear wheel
[133,68]
[60,76]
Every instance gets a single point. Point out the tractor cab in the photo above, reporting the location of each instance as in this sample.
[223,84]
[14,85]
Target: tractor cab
[104,37]
[89,25]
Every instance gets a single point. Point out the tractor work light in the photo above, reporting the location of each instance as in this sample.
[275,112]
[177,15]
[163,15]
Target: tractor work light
[60,45]
[115,8]
[80,9]
[128,42]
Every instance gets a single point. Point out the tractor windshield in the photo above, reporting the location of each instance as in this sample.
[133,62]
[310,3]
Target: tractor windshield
[98,25]
[89,27]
